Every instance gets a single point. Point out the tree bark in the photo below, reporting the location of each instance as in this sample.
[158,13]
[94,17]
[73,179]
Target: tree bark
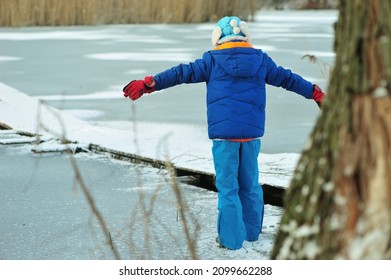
[338,205]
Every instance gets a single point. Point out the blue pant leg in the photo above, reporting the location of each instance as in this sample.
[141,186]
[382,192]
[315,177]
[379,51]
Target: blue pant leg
[230,226]
[250,191]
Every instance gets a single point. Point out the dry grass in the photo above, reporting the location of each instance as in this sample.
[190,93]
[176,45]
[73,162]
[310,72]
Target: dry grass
[144,227]
[90,12]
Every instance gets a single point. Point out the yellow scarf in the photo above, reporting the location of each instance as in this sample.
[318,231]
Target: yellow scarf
[229,45]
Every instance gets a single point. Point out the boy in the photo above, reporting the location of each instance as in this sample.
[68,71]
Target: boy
[236,75]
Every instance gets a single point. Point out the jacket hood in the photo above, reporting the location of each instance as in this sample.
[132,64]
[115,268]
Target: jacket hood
[238,62]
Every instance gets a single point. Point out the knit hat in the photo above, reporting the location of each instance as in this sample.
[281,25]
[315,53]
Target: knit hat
[229,29]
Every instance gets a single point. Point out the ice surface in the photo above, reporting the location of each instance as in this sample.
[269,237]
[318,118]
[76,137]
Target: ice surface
[80,75]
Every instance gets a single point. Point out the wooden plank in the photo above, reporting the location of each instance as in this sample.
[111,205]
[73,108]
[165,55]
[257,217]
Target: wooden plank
[4,126]
[17,140]
[72,148]
[127,156]
[8,132]
[272,194]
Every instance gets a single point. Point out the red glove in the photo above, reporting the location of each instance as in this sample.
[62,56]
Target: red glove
[135,89]
[318,95]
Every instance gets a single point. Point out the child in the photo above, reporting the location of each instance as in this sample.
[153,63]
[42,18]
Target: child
[236,75]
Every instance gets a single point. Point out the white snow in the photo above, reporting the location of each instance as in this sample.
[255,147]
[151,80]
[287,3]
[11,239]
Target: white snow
[143,56]
[50,34]
[108,94]
[84,114]
[9,58]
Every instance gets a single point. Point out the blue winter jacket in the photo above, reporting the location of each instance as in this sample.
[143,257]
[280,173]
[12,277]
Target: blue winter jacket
[236,95]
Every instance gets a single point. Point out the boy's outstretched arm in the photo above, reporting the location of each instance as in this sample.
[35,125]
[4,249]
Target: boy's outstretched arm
[285,78]
[194,72]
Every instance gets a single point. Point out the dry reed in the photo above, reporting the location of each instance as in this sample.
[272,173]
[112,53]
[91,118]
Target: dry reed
[143,212]
[91,12]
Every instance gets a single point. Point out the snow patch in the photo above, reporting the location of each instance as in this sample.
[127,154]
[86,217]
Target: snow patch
[143,56]
[328,187]
[102,95]
[380,92]
[87,35]
[84,114]
[136,72]
[9,58]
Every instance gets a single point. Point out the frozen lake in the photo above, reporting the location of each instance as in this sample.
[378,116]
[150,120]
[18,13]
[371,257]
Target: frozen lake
[83,69]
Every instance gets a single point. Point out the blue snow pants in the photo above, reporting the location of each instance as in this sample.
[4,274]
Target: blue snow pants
[240,196]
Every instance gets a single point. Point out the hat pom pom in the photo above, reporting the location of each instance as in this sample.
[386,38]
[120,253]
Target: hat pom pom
[233,22]
[236,30]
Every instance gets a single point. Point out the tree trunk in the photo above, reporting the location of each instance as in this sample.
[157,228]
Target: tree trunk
[338,205]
